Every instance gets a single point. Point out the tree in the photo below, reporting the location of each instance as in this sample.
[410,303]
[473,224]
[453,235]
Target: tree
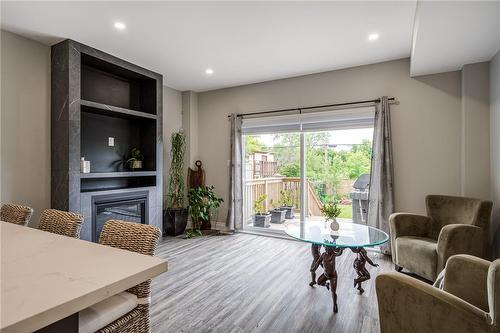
[252,144]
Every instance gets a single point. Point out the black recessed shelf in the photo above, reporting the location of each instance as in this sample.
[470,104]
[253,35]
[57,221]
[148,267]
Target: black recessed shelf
[110,183]
[108,84]
[118,174]
[109,110]
[128,133]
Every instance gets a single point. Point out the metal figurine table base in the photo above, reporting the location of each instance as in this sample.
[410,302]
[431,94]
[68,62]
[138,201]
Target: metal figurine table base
[329,277]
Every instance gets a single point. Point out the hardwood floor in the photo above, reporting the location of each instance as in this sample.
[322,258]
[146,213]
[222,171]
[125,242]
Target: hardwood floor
[248,283]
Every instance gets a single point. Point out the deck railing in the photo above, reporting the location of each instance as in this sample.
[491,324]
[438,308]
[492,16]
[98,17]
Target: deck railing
[263,169]
[272,186]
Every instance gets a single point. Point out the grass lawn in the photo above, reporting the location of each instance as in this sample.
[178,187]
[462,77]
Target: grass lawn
[346,212]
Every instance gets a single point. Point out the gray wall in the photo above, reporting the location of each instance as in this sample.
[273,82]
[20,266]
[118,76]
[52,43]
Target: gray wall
[25,122]
[495,147]
[475,131]
[426,124]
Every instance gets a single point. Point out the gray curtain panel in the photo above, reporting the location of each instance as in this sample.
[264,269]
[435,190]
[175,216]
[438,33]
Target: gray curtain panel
[381,197]
[235,212]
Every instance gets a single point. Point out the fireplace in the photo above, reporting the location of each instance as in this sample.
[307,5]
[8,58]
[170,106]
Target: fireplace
[130,207]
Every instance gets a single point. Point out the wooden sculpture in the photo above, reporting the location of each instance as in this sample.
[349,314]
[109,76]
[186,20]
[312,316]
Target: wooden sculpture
[196,178]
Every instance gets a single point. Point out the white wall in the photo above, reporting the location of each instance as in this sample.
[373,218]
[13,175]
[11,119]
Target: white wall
[426,124]
[495,148]
[25,122]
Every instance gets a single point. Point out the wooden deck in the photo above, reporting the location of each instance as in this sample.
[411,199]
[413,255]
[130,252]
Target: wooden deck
[248,283]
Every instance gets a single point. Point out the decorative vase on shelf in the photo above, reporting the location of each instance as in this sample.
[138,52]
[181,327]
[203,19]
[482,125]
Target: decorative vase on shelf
[136,164]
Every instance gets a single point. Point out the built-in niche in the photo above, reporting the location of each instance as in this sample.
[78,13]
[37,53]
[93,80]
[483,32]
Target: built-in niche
[94,97]
[127,133]
[106,83]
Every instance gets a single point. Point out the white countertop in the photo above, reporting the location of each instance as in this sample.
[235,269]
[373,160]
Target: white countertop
[46,277]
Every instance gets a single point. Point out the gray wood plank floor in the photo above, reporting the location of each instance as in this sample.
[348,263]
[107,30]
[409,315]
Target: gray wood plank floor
[248,283]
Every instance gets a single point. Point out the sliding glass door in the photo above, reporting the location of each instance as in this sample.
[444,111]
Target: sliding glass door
[271,180]
[294,165]
[338,165]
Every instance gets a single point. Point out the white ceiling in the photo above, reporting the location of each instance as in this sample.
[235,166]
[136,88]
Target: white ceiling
[247,42]
[449,35]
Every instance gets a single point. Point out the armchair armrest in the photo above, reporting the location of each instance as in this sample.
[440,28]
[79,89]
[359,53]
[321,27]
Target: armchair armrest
[404,224]
[466,277]
[459,239]
[408,305]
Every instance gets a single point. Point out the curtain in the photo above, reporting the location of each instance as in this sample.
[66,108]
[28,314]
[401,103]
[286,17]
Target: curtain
[381,197]
[235,212]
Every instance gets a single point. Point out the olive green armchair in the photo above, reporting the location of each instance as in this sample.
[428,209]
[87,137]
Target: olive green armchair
[453,225]
[469,301]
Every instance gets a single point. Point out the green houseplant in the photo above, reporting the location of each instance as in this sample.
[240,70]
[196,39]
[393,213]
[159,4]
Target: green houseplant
[331,211]
[261,218]
[135,158]
[176,215]
[277,214]
[201,200]
[286,201]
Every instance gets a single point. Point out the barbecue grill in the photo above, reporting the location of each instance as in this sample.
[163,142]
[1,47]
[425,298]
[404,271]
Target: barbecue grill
[359,198]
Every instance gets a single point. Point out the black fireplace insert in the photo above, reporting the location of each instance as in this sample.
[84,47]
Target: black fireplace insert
[130,207]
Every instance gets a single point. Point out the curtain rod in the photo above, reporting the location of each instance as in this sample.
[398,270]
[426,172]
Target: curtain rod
[312,107]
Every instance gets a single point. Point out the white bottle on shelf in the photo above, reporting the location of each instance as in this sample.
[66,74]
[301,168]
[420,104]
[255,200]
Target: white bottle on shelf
[84,165]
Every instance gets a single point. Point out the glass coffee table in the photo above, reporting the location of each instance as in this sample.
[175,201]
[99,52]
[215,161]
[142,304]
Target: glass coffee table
[349,235]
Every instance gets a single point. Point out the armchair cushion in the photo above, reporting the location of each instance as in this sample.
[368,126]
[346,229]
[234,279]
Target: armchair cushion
[105,312]
[457,239]
[466,277]
[418,254]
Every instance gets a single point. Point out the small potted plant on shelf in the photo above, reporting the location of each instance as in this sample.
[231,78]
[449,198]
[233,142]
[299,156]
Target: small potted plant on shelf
[135,159]
[277,215]
[201,200]
[176,215]
[331,211]
[261,218]
[286,201]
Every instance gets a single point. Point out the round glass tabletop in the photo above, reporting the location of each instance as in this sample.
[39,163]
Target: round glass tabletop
[349,234]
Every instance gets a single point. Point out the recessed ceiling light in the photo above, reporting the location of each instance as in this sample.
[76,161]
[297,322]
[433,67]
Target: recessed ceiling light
[120,25]
[209,71]
[372,37]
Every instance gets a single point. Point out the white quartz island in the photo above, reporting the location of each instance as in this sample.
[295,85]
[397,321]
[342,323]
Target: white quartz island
[47,277]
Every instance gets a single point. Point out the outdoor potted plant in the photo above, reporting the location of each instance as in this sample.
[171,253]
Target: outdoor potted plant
[331,211]
[286,201]
[176,215]
[277,215]
[201,200]
[260,218]
[135,158]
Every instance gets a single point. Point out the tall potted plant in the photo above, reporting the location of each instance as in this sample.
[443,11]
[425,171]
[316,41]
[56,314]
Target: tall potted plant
[176,214]
[201,200]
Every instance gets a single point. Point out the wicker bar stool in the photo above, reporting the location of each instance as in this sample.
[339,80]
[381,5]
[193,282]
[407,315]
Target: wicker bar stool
[17,214]
[138,238]
[60,222]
